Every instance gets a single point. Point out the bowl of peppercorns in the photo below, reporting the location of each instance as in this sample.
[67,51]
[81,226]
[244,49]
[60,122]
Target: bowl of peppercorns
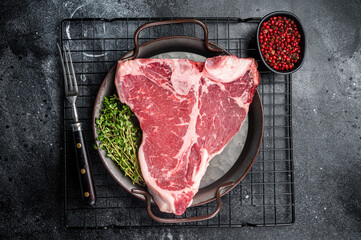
[281,42]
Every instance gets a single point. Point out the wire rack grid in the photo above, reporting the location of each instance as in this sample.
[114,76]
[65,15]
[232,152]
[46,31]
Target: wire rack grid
[265,197]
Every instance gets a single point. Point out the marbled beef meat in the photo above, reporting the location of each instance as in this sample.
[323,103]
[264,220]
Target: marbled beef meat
[188,112]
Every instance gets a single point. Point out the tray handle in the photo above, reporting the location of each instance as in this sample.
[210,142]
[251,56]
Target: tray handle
[183,220]
[167,22]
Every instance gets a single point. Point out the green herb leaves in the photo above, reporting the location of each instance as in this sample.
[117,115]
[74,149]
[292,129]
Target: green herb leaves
[119,137]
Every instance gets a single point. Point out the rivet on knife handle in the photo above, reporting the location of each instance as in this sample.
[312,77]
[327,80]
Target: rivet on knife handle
[84,169]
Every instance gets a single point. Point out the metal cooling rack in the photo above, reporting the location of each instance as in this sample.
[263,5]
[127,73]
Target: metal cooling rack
[266,195]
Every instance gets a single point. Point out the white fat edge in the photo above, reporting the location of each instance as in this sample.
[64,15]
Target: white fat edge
[163,198]
[124,68]
[196,177]
[120,93]
[255,74]
[239,68]
[128,67]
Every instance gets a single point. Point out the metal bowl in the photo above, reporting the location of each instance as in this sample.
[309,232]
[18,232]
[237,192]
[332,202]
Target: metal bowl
[242,165]
[289,15]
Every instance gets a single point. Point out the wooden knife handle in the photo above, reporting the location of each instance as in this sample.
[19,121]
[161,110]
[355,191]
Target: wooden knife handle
[84,170]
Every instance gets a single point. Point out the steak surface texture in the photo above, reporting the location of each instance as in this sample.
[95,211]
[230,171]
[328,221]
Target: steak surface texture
[188,112]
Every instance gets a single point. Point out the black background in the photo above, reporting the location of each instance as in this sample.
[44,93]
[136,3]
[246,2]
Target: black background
[326,117]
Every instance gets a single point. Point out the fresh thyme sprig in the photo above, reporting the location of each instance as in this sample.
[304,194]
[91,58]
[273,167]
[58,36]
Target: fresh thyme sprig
[119,137]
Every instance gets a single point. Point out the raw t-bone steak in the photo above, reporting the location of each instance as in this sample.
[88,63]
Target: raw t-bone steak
[188,112]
